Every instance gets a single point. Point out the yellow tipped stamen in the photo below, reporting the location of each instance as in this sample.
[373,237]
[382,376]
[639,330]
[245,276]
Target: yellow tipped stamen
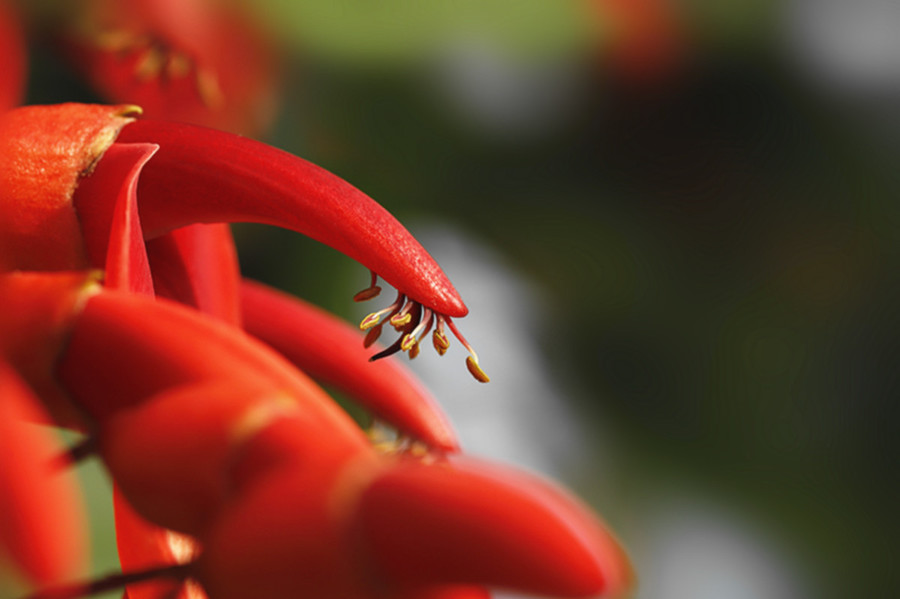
[414,351]
[475,369]
[369,292]
[375,317]
[402,318]
[472,361]
[440,341]
[409,341]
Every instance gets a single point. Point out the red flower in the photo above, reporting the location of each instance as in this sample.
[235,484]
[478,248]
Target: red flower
[213,434]
[195,61]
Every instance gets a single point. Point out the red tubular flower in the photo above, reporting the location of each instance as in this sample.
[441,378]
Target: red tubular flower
[42,526]
[398,525]
[196,61]
[228,179]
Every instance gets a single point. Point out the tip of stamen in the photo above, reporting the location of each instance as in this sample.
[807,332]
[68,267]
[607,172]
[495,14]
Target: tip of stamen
[367,294]
[414,351]
[399,320]
[408,342]
[476,371]
[370,321]
[372,336]
[441,343]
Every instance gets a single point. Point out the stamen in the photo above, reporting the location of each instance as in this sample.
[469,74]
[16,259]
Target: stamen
[375,317]
[414,351]
[372,336]
[472,361]
[412,338]
[402,318]
[414,314]
[439,338]
[369,292]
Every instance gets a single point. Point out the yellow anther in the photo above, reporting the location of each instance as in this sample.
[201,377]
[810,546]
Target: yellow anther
[401,319]
[475,369]
[370,321]
[367,294]
[408,342]
[414,351]
[441,343]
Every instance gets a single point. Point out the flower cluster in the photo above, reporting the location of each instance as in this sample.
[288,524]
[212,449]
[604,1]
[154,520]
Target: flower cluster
[123,315]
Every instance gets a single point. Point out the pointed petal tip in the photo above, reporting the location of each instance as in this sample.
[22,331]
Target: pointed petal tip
[465,522]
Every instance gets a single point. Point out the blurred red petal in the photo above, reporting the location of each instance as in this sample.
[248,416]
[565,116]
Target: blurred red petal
[42,522]
[197,266]
[461,521]
[329,350]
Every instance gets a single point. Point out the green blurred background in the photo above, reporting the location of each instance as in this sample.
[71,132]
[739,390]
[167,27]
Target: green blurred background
[682,275]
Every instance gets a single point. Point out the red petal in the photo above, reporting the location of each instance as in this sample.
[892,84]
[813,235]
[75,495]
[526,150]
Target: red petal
[106,203]
[125,348]
[197,266]
[44,151]
[38,312]
[41,517]
[329,349]
[233,179]
[466,522]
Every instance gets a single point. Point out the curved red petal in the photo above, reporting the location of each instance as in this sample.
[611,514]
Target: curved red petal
[197,265]
[466,522]
[328,349]
[234,179]
[106,204]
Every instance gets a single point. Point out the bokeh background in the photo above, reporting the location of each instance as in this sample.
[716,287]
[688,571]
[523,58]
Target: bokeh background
[676,224]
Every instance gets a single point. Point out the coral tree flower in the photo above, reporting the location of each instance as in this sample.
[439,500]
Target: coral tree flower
[195,61]
[234,471]
[213,435]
